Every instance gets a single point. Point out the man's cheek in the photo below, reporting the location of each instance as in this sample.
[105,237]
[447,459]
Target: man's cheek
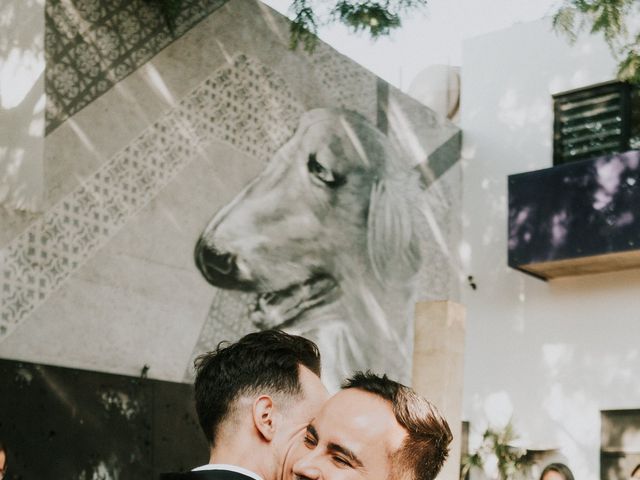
[297,451]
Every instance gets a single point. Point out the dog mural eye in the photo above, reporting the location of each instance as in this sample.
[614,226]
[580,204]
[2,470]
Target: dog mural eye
[325,175]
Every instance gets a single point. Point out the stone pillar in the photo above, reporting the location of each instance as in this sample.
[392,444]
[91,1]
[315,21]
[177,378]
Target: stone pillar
[438,368]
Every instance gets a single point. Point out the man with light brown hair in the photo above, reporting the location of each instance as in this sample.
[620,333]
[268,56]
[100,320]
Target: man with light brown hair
[374,429]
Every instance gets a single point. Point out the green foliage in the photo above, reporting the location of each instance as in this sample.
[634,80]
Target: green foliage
[304,27]
[610,18]
[369,15]
[510,460]
[376,18]
[629,66]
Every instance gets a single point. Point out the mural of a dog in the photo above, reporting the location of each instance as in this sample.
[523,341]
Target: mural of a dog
[327,238]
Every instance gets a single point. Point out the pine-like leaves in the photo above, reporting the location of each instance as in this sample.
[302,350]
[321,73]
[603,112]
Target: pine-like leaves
[377,18]
[610,18]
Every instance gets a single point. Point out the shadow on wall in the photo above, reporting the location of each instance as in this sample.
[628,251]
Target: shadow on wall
[22,104]
[570,373]
[486,184]
[68,423]
[88,52]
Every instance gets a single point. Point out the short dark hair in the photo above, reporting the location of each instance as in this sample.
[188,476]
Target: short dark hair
[266,361]
[560,468]
[424,450]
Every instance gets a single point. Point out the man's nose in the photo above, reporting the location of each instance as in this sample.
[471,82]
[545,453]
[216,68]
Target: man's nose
[307,469]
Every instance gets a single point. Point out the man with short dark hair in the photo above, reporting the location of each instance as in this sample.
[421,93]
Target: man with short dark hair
[374,429]
[254,398]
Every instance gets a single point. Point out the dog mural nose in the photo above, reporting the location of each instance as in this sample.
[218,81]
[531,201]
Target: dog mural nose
[218,268]
[221,262]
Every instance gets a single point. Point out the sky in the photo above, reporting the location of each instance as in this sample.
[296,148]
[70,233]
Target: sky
[429,37]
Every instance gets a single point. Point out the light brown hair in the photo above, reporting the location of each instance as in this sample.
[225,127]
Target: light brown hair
[426,447]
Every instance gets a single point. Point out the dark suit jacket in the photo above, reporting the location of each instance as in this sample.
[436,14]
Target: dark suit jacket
[205,475]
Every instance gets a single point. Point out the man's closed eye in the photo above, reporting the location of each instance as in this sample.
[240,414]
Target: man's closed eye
[342,462]
[310,438]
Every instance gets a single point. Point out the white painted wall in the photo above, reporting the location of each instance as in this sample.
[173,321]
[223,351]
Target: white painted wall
[22,104]
[564,350]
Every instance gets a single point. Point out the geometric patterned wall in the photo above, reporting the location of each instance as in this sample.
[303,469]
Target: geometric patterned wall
[92,44]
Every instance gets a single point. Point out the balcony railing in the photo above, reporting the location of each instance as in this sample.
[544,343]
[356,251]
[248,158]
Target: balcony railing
[578,218]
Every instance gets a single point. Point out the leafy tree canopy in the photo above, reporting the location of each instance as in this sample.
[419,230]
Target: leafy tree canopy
[617,20]
[377,18]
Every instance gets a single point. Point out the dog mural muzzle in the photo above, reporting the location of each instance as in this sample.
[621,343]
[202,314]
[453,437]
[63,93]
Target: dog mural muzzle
[219,268]
[248,245]
[270,309]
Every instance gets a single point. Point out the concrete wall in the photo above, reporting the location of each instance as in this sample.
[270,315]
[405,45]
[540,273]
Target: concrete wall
[104,277]
[558,352]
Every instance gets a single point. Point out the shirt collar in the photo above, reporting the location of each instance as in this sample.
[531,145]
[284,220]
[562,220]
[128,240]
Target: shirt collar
[231,468]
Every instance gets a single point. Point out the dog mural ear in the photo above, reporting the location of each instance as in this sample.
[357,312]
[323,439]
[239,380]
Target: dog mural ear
[392,240]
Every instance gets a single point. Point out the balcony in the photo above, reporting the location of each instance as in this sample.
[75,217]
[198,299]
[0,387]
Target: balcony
[577,218]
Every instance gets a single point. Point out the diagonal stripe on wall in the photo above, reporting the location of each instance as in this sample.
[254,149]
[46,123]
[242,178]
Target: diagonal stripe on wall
[243,104]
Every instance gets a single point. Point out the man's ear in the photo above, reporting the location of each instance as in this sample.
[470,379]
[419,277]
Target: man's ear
[264,417]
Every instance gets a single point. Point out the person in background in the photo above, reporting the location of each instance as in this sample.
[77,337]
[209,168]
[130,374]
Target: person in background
[3,461]
[254,398]
[556,471]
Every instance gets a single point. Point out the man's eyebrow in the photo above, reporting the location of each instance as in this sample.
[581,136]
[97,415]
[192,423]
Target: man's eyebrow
[334,447]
